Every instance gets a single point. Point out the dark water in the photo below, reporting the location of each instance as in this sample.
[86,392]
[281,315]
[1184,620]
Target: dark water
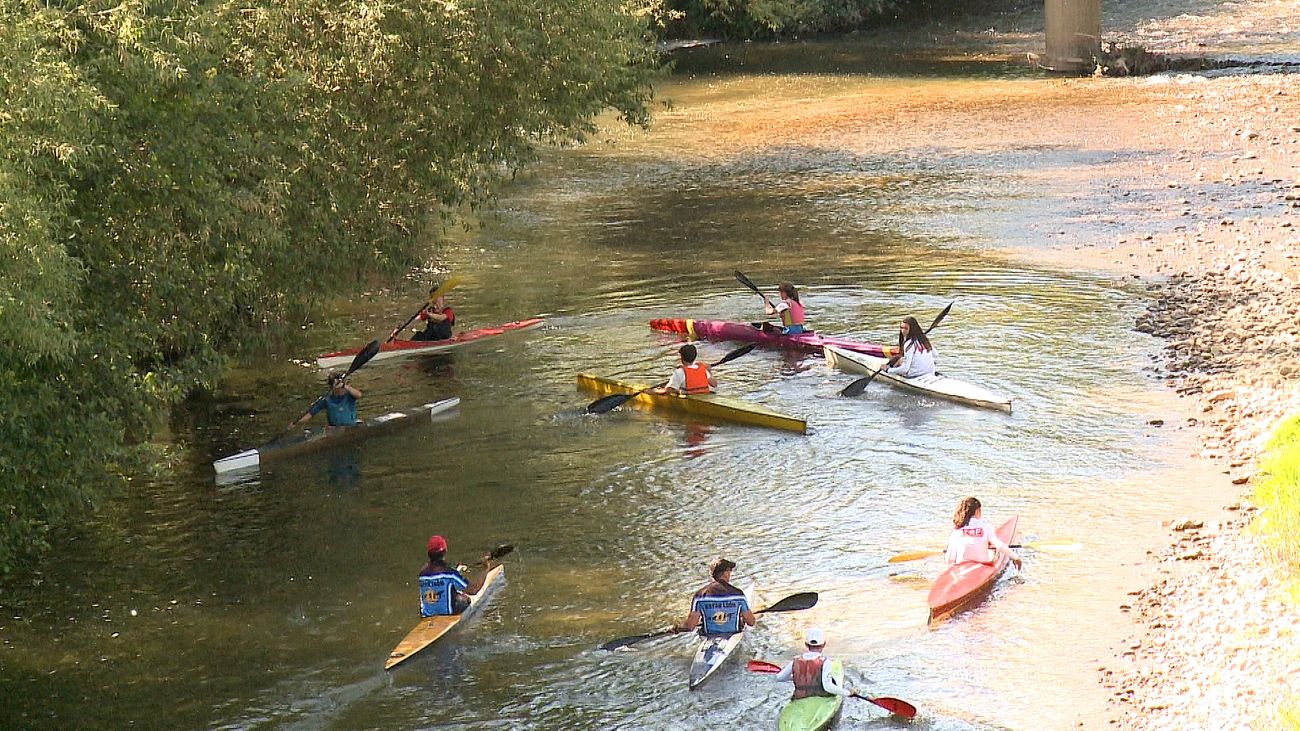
[274,602]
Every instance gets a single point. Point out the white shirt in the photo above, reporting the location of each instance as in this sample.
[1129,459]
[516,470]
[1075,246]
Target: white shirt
[677,380]
[916,362]
[828,680]
[972,542]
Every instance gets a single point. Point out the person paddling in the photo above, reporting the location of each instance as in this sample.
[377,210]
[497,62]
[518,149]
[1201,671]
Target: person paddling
[340,405]
[973,538]
[811,671]
[718,608]
[788,309]
[689,377]
[438,318]
[443,590]
[917,358]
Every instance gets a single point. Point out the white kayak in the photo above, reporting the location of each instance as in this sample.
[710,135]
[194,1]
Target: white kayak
[936,385]
[714,651]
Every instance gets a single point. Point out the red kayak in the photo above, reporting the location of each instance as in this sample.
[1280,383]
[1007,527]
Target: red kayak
[770,337]
[402,348]
[963,585]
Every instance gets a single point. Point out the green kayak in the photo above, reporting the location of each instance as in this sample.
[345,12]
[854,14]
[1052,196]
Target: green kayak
[815,713]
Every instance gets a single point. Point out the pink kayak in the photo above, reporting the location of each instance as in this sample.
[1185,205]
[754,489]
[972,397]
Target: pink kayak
[772,338]
[401,348]
[963,585]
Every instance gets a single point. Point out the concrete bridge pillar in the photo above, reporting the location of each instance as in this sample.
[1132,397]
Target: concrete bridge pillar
[1073,34]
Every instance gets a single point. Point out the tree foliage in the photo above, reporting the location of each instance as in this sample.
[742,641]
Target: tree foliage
[759,19]
[176,177]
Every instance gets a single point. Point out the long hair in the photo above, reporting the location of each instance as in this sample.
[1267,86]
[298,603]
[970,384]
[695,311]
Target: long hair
[965,509]
[916,334]
[788,290]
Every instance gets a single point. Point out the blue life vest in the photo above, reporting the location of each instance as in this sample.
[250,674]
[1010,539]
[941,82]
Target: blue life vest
[340,410]
[720,615]
[438,594]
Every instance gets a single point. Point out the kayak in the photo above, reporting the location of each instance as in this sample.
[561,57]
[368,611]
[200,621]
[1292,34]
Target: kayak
[404,348]
[963,585]
[814,712]
[312,440]
[936,385]
[431,629]
[711,405]
[714,651]
[809,342]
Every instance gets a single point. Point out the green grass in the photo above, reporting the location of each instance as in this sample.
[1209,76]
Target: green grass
[1277,493]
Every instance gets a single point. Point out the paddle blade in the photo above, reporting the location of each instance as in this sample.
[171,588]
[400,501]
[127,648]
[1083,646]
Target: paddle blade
[857,387]
[912,556]
[899,708]
[444,288]
[502,550]
[742,350]
[762,666]
[942,314]
[608,403]
[793,603]
[362,358]
[744,280]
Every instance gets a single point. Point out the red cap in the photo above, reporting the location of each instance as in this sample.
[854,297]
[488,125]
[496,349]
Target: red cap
[437,544]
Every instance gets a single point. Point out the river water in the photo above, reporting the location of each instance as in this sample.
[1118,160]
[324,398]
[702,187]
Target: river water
[274,601]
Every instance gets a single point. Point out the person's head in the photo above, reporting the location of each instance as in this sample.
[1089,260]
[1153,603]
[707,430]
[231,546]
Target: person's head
[437,548]
[336,381]
[720,569]
[814,639]
[968,508]
[687,353]
[788,291]
[911,330]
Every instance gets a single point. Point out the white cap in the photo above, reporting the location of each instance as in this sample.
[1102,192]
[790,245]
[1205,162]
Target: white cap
[814,637]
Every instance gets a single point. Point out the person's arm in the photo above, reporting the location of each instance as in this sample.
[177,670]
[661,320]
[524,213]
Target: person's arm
[691,622]
[747,614]
[676,383]
[1001,547]
[474,586]
[786,673]
[828,680]
[349,388]
[905,366]
[312,411]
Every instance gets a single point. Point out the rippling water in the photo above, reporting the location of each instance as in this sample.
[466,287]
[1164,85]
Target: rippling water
[275,601]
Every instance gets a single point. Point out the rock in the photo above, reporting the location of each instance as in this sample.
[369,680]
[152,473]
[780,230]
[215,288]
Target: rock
[1187,524]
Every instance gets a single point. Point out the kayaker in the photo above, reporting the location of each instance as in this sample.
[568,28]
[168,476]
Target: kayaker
[443,590]
[917,358]
[972,538]
[438,318]
[811,671]
[788,309]
[689,377]
[340,405]
[718,608]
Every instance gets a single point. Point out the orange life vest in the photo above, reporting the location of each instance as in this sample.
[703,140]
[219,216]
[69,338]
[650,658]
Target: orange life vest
[807,676]
[697,378]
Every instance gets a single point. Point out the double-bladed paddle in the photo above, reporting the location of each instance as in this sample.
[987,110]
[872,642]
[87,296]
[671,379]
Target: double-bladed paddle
[613,401]
[441,290]
[1056,545]
[899,708]
[860,385]
[792,603]
[362,358]
[740,277]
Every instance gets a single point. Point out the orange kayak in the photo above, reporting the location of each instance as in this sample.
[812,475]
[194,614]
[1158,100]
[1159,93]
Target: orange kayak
[962,586]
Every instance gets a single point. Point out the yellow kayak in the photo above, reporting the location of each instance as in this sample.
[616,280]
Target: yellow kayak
[710,405]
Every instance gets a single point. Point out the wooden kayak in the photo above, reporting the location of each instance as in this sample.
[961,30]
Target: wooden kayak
[713,652]
[815,712]
[312,440]
[937,386]
[404,348]
[431,629]
[716,330]
[710,405]
[963,585]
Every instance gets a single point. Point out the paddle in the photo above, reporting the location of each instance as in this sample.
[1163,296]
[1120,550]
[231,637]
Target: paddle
[740,277]
[792,603]
[605,404]
[441,290]
[895,706]
[860,385]
[1056,545]
[362,358]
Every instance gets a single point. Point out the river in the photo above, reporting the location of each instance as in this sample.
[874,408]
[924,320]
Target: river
[274,601]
